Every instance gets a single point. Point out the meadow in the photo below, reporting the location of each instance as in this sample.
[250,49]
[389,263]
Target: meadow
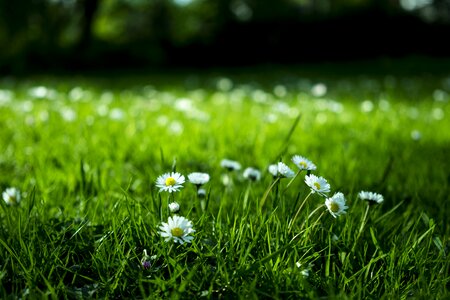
[85,153]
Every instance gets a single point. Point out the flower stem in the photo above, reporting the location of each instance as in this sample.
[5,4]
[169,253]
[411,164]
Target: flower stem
[290,181]
[298,211]
[311,214]
[247,191]
[266,194]
[318,219]
[361,228]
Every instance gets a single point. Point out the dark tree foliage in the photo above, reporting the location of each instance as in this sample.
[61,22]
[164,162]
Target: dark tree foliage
[79,34]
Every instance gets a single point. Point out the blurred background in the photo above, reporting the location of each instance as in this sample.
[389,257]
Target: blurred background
[70,35]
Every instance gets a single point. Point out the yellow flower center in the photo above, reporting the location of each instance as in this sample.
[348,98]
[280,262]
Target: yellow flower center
[334,207]
[177,231]
[317,185]
[303,164]
[170,181]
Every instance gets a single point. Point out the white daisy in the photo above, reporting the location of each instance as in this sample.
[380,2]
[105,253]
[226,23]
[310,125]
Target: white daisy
[170,182]
[317,184]
[336,205]
[303,163]
[174,207]
[177,229]
[198,178]
[230,165]
[252,174]
[284,170]
[273,169]
[371,197]
[11,196]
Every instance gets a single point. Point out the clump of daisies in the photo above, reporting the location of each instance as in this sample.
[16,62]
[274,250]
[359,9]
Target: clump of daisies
[170,182]
[177,229]
[11,196]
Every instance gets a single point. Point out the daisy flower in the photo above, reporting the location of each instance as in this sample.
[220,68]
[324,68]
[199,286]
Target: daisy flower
[303,163]
[336,205]
[11,196]
[317,184]
[174,207]
[252,174]
[170,182]
[177,229]
[230,165]
[198,178]
[371,197]
[284,170]
[273,169]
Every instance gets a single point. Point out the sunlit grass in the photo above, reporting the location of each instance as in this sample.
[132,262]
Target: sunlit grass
[86,153]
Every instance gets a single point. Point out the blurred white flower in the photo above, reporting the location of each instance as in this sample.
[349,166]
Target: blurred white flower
[280,91]
[416,135]
[367,106]
[38,92]
[252,174]
[11,196]
[319,90]
[284,170]
[303,163]
[440,96]
[76,94]
[224,84]
[68,114]
[116,114]
[174,207]
[5,96]
[273,169]
[198,178]
[371,197]
[176,127]
[230,165]
[184,104]
[438,113]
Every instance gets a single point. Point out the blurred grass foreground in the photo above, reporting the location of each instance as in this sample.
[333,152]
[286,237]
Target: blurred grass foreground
[82,217]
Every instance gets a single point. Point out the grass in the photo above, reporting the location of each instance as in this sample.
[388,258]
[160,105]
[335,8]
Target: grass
[85,153]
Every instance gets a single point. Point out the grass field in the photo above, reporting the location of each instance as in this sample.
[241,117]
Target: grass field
[85,154]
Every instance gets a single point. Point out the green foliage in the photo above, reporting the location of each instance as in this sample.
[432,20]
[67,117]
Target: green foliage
[85,153]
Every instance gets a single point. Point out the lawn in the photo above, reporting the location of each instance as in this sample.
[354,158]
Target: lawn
[85,153]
